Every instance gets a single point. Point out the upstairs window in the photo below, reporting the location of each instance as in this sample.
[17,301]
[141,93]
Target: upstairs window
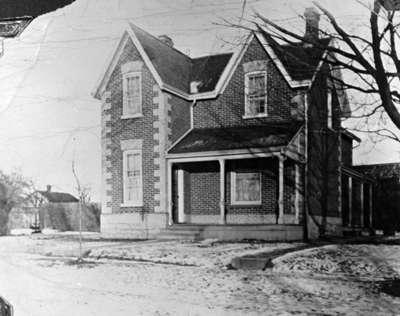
[132,91]
[256,94]
[132,169]
[329,108]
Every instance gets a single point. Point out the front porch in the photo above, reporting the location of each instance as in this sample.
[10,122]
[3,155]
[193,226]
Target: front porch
[357,201]
[257,188]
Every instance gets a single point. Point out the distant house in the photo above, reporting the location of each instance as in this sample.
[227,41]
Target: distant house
[55,210]
[227,146]
[60,211]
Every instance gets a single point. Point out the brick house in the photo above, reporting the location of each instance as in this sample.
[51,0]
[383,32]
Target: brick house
[225,145]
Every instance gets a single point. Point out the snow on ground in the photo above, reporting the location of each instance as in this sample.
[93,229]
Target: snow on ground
[362,261]
[206,254]
[38,279]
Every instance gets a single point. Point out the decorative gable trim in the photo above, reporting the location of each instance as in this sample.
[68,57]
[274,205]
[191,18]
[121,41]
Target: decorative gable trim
[130,144]
[132,66]
[256,65]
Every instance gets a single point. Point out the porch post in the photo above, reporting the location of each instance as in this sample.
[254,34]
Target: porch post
[362,204]
[350,200]
[297,192]
[370,205]
[281,189]
[169,189]
[222,190]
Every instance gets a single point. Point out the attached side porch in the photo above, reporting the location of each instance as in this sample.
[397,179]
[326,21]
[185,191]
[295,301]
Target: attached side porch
[357,201]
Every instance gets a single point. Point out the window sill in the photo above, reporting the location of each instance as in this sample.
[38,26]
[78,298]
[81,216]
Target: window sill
[125,117]
[246,204]
[246,116]
[131,205]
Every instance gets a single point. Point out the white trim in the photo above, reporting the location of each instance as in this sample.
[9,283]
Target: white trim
[246,92]
[169,193]
[222,191]
[181,197]
[127,117]
[111,63]
[229,154]
[234,200]
[125,78]
[246,117]
[124,177]
[297,193]
[329,109]
[281,188]
[292,83]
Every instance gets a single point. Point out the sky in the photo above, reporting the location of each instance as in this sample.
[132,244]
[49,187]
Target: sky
[48,117]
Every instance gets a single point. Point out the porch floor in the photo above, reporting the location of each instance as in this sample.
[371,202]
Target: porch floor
[267,232]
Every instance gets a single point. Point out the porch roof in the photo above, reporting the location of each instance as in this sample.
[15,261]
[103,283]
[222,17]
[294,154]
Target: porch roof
[236,137]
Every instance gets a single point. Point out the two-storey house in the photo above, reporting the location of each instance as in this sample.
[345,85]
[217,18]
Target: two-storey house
[246,144]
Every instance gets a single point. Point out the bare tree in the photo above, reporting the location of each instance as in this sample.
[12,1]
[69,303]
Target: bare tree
[371,62]
[15,190]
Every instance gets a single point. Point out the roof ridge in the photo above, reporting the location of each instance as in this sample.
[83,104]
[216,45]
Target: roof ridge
[212,55]
[156,38]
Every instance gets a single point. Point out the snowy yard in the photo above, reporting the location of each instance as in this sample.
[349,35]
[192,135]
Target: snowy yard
[184,278]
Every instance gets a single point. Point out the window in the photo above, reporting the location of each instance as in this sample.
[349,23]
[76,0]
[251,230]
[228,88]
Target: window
[132,103]
[246,188]
[329,108]
[132,169]
[255,94]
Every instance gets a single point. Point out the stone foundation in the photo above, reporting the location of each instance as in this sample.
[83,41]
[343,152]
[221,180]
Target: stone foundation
[132,225]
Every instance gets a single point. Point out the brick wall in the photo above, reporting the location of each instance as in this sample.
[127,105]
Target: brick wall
[202,188]
[228,108]
[141,128]
[180,117]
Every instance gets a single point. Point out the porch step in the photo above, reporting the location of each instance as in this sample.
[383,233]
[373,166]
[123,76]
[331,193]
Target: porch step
[268,232]
[179,235]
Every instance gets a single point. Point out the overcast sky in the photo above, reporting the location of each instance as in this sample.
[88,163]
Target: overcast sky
[47,114]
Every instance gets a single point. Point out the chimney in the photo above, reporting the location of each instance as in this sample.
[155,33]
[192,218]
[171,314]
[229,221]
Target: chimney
[48,188]
[312,23]
[166,40]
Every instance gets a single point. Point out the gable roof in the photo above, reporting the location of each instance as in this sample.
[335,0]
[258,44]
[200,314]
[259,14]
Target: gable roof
[236,137]
[58,197]
[174,71]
